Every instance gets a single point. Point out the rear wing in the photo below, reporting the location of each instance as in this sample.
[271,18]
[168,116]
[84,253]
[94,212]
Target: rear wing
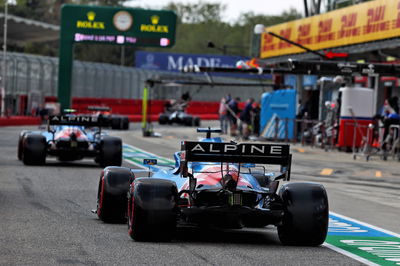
[73,120]
[261,153]
[236,153]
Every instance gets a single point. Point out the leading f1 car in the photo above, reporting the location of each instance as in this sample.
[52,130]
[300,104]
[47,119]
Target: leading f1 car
[223,184]
[70,138]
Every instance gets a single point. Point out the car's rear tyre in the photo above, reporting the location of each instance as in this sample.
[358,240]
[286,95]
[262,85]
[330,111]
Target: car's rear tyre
[187,121]
[111,197]
[110,151]
[152,209]
[115,122]
[125,123]
[20,144]
[196,121]
[163,119]
[306,214]
[33,149]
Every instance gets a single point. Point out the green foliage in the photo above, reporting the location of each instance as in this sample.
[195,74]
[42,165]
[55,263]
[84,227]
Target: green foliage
[99,2]
[197,13]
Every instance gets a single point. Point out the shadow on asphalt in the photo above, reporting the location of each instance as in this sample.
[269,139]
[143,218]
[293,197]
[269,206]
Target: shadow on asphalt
[78,164]
[260,236]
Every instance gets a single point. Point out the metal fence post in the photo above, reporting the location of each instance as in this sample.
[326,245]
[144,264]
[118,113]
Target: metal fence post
[276,128]
[286,129]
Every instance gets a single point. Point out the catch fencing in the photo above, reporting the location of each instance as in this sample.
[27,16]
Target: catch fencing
[30,78]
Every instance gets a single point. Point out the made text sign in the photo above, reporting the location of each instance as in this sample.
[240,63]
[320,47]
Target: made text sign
[365,22]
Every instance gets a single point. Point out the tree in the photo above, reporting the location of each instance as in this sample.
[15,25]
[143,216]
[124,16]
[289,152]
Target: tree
[197,13]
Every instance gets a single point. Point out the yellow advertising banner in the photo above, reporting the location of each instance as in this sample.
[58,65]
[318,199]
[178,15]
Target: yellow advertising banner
[360,23]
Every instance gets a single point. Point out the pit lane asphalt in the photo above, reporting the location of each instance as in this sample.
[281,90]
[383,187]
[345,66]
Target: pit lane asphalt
[46,219]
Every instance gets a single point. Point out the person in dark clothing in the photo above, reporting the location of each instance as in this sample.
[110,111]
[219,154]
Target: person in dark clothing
[391,119]
[186,97]
[233,110]
[256,118]
[246,116]
[394,103]
[44,114]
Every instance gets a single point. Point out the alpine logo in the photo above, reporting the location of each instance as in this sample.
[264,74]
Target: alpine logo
[59,119]
[236,149]
[77,120]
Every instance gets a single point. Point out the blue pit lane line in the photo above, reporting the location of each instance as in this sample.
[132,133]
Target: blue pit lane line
[363,242]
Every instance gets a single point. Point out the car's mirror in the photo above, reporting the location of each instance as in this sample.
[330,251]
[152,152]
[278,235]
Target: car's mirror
[150,161]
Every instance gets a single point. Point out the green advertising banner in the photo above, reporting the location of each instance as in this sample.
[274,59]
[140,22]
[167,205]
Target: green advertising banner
[109,25]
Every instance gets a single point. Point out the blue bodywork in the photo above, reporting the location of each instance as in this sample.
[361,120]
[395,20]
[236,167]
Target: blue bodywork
[71,142]
[248,181]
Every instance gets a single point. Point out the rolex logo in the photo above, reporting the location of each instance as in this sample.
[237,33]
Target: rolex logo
[91,15]
[155,19]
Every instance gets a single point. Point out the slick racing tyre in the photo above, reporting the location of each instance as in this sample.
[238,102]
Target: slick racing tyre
[306,214]
[187,121]
[115,122]
[20,144]
[124,123]
[34,149]
[196,121]
[163,119]
[152,209]
[110,151]
[111,197]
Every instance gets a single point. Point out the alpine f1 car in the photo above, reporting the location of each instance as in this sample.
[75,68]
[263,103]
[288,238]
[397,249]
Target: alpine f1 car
[70,138]
[223,184]
[114,121]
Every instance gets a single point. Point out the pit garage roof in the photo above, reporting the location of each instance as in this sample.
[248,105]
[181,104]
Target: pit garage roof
[371,52]
[21,30]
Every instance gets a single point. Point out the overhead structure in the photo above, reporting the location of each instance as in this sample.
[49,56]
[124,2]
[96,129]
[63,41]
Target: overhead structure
[323,68]
[369,31]
[314,67]
[22,30]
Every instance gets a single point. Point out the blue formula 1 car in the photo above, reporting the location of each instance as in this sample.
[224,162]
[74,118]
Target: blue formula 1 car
[70,138]
[216,183]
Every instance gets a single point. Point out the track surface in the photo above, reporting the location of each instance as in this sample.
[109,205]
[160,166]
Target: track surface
[46,219]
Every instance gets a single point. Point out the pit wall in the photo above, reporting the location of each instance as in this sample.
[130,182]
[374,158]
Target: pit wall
[129,107]
[133,107]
